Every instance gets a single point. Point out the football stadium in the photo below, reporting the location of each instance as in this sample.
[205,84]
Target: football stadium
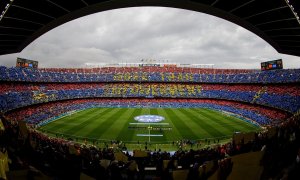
[149,120]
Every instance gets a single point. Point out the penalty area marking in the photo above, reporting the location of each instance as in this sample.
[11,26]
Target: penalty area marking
[155,135]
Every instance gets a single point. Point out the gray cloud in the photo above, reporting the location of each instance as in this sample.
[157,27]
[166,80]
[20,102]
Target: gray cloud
[131,34]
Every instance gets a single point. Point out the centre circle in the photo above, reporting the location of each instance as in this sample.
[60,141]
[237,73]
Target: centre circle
[149,118]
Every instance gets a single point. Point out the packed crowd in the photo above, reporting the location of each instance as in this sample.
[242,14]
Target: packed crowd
[39,114]
[290,89]
[147,74]
[15,95]
[125,69]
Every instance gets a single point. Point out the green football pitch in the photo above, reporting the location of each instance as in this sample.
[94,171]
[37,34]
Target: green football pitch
[105,124]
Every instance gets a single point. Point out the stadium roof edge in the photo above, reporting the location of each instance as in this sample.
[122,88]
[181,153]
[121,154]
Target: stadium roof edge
[275,21]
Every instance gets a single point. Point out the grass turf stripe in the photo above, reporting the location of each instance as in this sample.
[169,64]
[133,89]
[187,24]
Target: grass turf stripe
[63,123]
[125,134]
[183,129]
[203,124]
[119,124]
[174,135]
[213,117]
[153,111]
[79,129]
[214,120]
[238,123]
[96,127]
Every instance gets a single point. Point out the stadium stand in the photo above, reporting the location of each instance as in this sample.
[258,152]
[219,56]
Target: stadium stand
[277,96]
[39,96]
[146,74]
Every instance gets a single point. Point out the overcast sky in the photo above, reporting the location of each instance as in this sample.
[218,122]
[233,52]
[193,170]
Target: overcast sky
[132,34]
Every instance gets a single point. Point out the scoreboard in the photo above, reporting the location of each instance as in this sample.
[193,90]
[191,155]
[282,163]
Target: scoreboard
[270,65]
[26,63]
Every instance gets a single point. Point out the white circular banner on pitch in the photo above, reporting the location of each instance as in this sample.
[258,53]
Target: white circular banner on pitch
[149,118]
